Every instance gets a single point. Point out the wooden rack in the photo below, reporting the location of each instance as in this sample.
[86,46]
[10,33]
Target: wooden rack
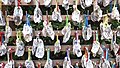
[64,47]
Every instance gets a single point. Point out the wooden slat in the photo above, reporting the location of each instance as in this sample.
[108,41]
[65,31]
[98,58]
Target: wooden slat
[44,17]
[50,17]
[57,32]
[42,2]
[63,47]
[60,62]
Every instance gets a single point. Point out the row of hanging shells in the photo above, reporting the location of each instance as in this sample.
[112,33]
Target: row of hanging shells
[86,61]
[96,15]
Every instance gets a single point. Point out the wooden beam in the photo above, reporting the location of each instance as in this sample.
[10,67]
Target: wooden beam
[57,32]
[44,17]
[60,62]
[63,47]
[50,17]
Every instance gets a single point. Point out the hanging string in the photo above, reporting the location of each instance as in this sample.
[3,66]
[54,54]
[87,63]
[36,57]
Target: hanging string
[8,56]
[19,3]
[86,21]
[39,65]
[111,6]
[115,3]
[11,54]
[27,18]
[47,17]
[94,37]
[113,65]
[2,38]
[29,54]
[66,20]
[107,53]
[7,22]
[37,4]
[76,4]
[57,5]
[97,36]
[57,38]
[48,54]
[104,54]
[67,55]
[19,34]
[1,4]
[86,53]
[76,35]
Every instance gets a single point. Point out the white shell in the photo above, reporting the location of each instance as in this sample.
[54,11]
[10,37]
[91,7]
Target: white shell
[2,20]
[29,64]
[89,64]
[3,49]
[18,12]
[48,64]
[82,4]
[7,2]
[115,47]
[96,15]
[20,48]
[10,64]
[8,33]
[27,33]
[47,2]
[56,15]
[77,48]
[65,1]
[37,15]
[48,30]
[76,15]
[106,2]
[105,64]
[39,46]
[66,31]
[115,14]
[57,47]
[95,47]
[86,32]
[106,32]
[65,4]
[88,3]
[27,1]
[67,63]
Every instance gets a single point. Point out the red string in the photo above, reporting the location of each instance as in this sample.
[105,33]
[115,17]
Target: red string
[19,3]
[75,35]
[1,33]
[0,38]
[104,53]
[11,54]
[3,65]
[38,65]
[20,65]
[94,39]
